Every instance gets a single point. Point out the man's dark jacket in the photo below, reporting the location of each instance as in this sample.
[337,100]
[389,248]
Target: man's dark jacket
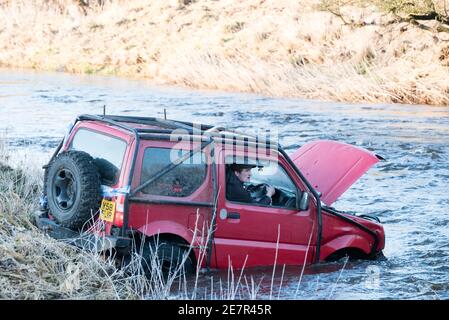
[235,191]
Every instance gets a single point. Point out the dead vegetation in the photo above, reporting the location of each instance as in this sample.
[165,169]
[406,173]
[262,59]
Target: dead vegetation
[413,12]
[356,51]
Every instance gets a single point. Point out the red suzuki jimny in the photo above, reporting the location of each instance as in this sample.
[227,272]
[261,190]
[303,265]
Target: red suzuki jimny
[119,179]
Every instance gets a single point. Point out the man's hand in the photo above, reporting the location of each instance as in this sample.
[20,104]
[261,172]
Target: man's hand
[270,191]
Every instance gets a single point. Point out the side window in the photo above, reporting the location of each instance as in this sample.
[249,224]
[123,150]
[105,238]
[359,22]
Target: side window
[264,172]
[181,181]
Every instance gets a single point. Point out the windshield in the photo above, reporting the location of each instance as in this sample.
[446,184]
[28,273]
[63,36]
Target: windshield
[274,175]
[108,152]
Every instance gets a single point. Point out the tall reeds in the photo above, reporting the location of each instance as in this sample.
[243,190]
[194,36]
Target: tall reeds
[280,48]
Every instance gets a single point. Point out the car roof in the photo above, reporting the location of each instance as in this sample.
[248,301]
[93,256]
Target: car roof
[162,129]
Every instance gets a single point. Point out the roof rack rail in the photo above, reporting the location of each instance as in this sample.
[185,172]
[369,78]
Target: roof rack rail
[106,120]
[173,124]
[193,132]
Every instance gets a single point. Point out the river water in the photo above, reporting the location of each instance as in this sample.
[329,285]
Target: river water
[409,191]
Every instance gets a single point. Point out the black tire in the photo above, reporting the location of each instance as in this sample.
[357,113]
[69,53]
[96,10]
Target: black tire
[170,256]
[73,188]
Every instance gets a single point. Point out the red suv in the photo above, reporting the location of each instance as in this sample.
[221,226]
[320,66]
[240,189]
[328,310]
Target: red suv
[164,181]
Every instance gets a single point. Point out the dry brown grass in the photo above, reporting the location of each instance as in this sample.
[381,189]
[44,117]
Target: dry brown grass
[34,266]
[280,48]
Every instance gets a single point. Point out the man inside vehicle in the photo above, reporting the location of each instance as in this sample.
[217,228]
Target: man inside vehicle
[237,175]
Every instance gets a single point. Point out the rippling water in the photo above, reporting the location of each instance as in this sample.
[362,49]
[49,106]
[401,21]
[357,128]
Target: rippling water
[409,191]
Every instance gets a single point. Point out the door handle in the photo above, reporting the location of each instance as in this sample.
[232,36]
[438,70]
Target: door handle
[233,215]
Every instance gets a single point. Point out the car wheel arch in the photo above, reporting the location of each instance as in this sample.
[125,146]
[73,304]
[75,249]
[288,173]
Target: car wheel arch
[351,245]
[166,227]
[351,252]
[169,232]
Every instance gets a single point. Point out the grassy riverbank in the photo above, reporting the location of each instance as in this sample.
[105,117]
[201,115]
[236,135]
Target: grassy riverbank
[279,48]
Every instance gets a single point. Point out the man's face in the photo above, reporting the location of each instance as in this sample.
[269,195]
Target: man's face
[244,175]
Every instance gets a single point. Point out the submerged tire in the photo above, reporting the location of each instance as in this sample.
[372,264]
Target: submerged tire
[168,256]
[73,188]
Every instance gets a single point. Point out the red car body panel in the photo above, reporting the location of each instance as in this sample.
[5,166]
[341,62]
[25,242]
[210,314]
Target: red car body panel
[262,235]
[244,254]
[338,234]
[332,167]
[252,240]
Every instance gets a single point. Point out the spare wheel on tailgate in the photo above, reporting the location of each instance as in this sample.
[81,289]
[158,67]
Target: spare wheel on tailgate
[73,188]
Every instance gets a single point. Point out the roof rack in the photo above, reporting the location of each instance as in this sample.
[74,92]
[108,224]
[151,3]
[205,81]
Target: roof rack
[189,131]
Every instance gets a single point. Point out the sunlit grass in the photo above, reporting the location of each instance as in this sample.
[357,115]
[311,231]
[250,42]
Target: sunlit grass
[279,48]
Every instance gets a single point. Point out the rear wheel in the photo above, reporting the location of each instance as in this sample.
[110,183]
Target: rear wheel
[73,188]
[170,258]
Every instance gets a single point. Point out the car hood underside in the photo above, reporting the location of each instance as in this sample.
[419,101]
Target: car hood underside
[332,167]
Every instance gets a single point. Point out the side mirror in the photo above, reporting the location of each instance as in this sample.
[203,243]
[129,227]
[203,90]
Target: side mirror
[303,202]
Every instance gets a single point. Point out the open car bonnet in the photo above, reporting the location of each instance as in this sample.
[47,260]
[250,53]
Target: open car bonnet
[332,167]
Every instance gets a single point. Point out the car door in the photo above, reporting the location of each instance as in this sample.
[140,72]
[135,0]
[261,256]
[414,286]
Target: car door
[250,234]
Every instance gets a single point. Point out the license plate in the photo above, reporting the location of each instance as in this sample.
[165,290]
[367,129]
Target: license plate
[107,210]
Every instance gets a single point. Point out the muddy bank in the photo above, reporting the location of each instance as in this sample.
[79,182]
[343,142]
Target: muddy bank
[282,48]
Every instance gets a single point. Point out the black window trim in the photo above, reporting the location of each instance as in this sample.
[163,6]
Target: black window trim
[104,134]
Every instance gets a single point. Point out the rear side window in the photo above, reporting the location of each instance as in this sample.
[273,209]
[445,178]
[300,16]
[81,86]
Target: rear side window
[181,181]
[108,152]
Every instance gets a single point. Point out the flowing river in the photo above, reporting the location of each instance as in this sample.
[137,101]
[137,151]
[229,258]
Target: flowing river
[409,191]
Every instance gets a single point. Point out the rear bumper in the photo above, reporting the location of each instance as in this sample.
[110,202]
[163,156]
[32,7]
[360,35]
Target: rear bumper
[86,241]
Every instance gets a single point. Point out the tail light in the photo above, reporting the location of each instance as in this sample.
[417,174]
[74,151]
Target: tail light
[119,210]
